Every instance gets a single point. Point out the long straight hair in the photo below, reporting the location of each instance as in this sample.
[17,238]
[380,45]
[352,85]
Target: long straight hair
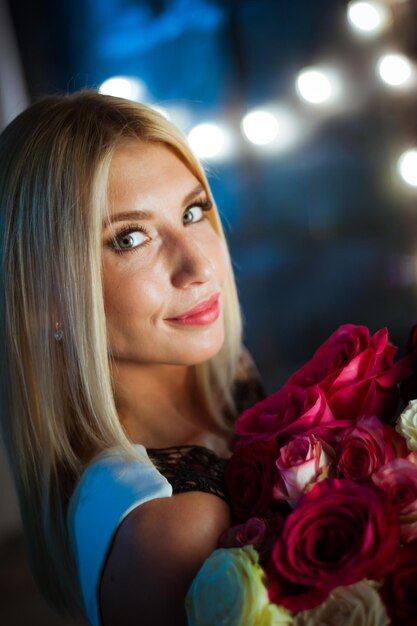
[57,408]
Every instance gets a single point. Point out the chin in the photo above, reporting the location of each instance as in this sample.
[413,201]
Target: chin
[187,349]
[200,352]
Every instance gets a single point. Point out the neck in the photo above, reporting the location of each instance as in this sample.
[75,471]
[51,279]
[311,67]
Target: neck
[158,405]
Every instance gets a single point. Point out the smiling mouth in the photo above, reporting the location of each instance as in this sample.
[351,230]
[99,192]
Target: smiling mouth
[200,308]
[206,313]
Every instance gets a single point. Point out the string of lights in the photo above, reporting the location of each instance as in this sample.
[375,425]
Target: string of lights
[276,127]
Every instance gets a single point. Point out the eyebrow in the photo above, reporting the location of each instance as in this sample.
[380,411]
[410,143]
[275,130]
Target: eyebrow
[144,214]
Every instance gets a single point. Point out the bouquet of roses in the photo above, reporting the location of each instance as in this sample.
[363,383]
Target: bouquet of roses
[323,486]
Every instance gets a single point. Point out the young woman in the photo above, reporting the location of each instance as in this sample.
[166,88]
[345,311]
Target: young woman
[122,361]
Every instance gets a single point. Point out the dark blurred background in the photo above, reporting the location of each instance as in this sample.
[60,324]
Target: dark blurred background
[318,205]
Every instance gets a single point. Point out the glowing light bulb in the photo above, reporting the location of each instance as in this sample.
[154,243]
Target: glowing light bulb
[316,86]
[369,18]
[124,87]
[260,127]
[207,140]
[407,167]
[180,115]
[394,69]
[161,110]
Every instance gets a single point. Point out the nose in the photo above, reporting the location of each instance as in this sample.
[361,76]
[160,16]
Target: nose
[192,263]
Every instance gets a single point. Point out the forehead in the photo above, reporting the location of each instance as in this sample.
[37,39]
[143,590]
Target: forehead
[143,172]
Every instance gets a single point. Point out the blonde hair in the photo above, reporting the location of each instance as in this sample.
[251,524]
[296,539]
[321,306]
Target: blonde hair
[57,404]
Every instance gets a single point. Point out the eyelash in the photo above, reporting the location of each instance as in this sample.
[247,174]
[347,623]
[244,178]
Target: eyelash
[204,205]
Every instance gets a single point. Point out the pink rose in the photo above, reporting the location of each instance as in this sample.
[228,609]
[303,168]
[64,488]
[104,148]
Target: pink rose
[252,532]
[256,532]
[340,532]
[398,479]
[367,447]
[356,372]
[399,592]
[303,461]
[250,477]
[288,412]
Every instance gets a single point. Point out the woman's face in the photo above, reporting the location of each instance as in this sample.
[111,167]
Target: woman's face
[160,265]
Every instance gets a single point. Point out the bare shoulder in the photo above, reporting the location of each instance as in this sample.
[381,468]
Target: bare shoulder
[156,553]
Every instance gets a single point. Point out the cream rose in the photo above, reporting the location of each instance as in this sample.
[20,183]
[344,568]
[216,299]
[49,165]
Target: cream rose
[407,424]
[274,615]
[354,605]
[229,590]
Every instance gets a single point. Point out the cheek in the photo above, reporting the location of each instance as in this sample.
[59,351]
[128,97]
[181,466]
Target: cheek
[128,299]
[218,254]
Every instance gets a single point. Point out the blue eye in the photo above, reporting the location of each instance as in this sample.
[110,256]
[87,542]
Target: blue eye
[190,210]
[130,238]
[201,206]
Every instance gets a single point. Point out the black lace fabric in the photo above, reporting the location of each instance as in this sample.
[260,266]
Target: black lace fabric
[197,468]
[191,468]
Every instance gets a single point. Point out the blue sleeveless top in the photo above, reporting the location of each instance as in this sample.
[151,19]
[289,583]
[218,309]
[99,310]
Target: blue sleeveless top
[109,489]
[112,486]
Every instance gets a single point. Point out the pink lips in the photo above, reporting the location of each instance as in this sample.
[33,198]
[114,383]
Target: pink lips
[204,313]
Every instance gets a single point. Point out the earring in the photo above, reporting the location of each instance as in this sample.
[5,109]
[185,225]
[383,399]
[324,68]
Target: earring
[59,333]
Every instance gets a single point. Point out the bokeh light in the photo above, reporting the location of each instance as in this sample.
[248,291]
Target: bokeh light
[260,127]
[161,110]
[407,167]
[317,86]
[124,87]
[273,129]
[208,140]
[180,115]
[368,18]
[394,69]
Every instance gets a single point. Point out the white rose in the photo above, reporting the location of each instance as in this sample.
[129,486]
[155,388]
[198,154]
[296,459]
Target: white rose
[354,605]
[229,590]
[407,424]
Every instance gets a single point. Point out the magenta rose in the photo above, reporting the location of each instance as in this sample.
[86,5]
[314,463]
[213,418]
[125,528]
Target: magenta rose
[257,532]
[303,461]
[356,372]
[367,447]
[252,532]
[340,533]
[250,477]
[398,479]
[399,592]
[288,412]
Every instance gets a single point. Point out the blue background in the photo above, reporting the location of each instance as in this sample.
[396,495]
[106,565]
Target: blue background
[321,234]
